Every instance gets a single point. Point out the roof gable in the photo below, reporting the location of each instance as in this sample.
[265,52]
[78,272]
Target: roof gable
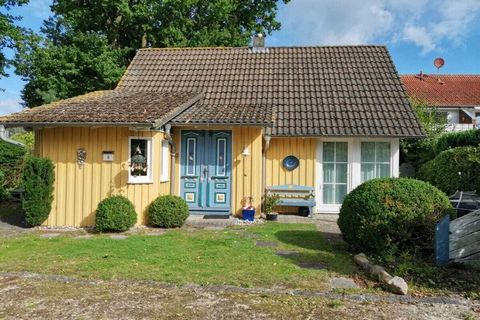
[341,90]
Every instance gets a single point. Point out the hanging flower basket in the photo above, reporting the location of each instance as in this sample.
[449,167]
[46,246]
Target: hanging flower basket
[138,165]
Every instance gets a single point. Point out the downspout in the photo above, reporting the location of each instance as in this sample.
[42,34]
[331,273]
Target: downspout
[173,151]
[3,137]
[266,137]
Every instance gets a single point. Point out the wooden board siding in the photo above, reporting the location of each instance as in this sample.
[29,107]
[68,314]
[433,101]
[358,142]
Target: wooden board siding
[302,148]
[78,190]
[246,171]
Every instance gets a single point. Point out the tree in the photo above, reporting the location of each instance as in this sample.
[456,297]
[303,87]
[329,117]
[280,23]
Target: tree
[112,31]
[11,35]
[419,151]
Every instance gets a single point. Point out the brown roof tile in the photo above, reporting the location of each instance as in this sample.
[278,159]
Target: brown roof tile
[343,90]
[109,107]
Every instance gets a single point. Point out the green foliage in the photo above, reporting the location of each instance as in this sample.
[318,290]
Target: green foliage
[11,35]
[11,163]
[87,47]
[168,212]
[454,169]
[385,217]
[270,200]
[115,213]
[38,178]
[27,138]
[419,151]
[458,139]
[80,63]
[3,188]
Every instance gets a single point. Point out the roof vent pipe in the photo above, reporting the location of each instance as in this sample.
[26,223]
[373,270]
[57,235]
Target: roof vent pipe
[258,44]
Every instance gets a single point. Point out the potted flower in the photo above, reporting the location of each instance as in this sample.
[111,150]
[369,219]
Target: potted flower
[248,210]
[269,202]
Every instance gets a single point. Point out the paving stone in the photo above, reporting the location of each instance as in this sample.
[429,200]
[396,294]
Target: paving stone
[269,244]
[213,228]
[156,233]
[84,236]
[118,236]
[49,235]
[343,283]
[287,253]
[312,265]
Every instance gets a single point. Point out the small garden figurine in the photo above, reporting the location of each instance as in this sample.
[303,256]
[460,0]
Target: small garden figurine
[269,202]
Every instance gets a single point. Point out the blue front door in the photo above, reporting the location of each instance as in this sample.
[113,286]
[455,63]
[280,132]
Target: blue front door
[206,174]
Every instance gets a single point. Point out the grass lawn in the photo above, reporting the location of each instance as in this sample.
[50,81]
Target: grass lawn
[181,256]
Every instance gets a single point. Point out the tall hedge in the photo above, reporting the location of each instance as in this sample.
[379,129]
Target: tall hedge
[386,217]
[37,180]
[11,163]
[454,169]
[458,139]
[3,189]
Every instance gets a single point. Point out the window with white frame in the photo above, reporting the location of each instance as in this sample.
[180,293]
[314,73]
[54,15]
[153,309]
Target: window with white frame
[335,172]
[165,161]
[140,162]
[375,160]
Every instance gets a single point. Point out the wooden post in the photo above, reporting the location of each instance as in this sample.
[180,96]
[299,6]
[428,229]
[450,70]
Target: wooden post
[442,238]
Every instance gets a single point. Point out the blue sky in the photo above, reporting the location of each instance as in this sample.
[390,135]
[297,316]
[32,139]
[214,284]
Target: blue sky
[415,31]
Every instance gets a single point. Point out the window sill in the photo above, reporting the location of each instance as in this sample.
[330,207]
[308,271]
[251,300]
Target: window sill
[140,182]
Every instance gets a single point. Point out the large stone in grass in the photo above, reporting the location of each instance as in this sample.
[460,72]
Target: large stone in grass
[49,235]
[287,253]
[343,283]
[118,237]
[312,265]
[268,244]
[397,285]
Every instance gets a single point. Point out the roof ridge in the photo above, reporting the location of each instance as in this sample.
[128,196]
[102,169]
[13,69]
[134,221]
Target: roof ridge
[269,47]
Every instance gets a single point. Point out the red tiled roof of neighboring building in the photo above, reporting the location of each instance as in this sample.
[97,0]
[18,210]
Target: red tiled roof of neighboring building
[444,90]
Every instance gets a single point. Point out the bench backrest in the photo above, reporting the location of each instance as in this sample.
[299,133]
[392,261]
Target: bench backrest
[291,191]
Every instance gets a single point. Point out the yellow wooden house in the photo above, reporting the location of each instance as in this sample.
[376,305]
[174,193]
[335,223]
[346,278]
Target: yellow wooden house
[216,125]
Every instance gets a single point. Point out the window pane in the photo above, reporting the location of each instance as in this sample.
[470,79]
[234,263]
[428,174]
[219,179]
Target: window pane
[138,157]
[383,152]
[328,172]
[368,172]
[383,170]
[368,152]
[328,196]
[341,151]
[191,156]
[340,192]
[341,173]
[328,151]
[221,153]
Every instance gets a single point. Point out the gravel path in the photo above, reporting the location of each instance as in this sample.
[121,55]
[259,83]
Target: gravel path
[27,296]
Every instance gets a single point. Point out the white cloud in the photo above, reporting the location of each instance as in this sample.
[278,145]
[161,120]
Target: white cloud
[10,105]
[429,24]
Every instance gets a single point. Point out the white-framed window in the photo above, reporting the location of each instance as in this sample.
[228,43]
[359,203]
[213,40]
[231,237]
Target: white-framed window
[140,160]
[375,160]
[165,161]
[335,172]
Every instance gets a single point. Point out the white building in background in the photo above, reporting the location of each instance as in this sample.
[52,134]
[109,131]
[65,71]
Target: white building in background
[457,97]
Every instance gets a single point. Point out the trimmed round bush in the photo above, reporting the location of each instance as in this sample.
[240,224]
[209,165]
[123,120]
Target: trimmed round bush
[454,169]
[116,214]
[168,212]
[386,217]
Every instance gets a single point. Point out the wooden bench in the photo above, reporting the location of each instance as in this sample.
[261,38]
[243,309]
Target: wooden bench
[295,196]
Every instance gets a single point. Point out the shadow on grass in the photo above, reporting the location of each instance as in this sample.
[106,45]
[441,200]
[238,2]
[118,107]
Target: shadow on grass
[318,249]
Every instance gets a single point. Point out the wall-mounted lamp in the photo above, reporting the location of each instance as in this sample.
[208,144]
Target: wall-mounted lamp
[245,152]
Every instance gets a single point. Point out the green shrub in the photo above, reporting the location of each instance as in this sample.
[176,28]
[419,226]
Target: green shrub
[38,178]
[27,138]
[3,189]
[168,212]
[115,213]
[458,139]
[454,169]
[12,159]
[387,217]
[270,201]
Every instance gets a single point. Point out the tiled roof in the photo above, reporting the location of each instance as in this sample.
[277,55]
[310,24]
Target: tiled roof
[329,91]
[444,90]
[109,107]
